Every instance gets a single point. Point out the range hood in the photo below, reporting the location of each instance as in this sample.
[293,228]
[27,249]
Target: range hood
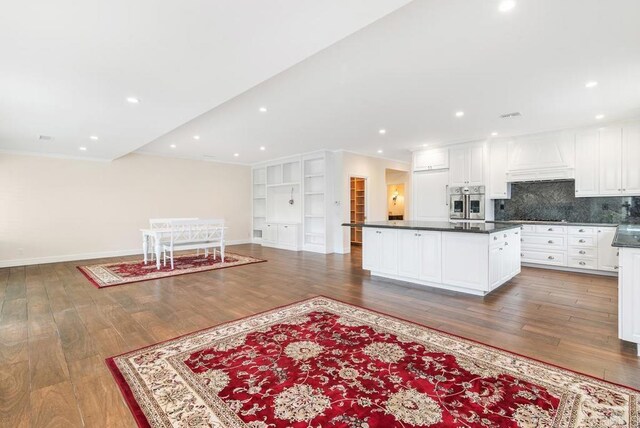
[547,174]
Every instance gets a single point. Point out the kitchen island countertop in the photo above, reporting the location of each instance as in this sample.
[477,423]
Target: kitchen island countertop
[438,226]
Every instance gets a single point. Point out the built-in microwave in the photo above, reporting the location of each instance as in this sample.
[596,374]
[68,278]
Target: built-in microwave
[466,203]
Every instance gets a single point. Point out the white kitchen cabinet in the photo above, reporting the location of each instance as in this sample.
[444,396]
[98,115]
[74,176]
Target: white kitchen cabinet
[504,257]
[542,156]
[631,160]
[430,195]
[587,163]
[466,165]
[465,260]
[607,255]
[629,295]
[270,233]
[419,255]
[380,250]
[499,188]
[611,161]
[424,160]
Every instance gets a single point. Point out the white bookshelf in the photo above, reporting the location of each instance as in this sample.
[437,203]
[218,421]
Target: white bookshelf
[316,173]
[259,202]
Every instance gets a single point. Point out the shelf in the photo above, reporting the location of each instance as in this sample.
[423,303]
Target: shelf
[319,234]
[313,175]
[314,193]
[314,216]
[259,197]
[295,183]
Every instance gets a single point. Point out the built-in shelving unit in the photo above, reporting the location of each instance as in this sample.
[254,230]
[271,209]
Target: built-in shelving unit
[357,208]
[305,180]
[259,202]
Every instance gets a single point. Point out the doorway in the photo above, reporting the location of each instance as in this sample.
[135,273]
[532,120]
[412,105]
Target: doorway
[396,181]
[358,187]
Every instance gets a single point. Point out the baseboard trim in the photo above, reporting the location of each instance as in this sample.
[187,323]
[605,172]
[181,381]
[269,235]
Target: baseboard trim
[570,269]
[88,256]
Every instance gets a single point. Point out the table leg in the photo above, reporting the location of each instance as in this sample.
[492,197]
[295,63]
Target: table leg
[157,251]
[145,247]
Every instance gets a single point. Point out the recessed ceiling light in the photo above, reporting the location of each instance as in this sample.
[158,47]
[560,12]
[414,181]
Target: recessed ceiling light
[425,145]
[600,116]
[506,5]
[45,138]
[380,151]
[133,100]
[82,149]
[459,113]
[493,134]
[236,154]
[94,137]
[173,146]
[591,84]
[263,148]
[263,109]
[196,137]
[382,131]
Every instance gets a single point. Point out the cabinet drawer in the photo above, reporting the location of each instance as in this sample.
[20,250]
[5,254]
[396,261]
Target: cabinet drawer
[582,241]
[528,228]
[577,262]
[583,252]
[555,258]
[549,228]
[582,230]
[546,241]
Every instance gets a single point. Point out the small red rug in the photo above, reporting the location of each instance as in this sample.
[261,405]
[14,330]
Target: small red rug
[110,274]
[323,363]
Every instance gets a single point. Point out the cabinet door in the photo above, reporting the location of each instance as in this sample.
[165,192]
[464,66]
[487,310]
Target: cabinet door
[431,159]
[498,186]
[475,161]
[430,199]
[514,252]
[270,233]
[607,255]
[430,256]
[370,248]
[409,253]
[542,151]
[631,160]
[458,167]
[629,295]
[287,234]
[611,161]
[587,163]
[389,251]
[496,256]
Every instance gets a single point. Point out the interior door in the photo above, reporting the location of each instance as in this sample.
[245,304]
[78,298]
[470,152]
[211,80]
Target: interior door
[431,198]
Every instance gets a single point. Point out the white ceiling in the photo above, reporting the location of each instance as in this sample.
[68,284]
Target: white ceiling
[412,70]
[67,67]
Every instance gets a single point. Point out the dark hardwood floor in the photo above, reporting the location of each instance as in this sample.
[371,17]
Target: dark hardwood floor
[56,329]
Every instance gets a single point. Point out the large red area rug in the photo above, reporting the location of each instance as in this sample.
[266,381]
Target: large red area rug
[110,274]
[323,363]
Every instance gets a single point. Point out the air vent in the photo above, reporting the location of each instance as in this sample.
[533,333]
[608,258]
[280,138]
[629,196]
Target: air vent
[508,115]
[45,138]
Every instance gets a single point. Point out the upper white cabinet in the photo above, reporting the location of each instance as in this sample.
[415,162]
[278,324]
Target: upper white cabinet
[499,188]
[631,159]
[610,161]
[466,165]
[587,163]
[431,159]
[430,195]
[541,157]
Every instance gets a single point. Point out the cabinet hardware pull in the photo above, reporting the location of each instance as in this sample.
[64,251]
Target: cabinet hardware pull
[581,230]
[550,229]
[505,235]
[551,258]
[583,252]
[582,241]
[521,255]
[517,233]
[495,238]
[506,243]
[500,248]
[582,263]
[616,267]
[550,241]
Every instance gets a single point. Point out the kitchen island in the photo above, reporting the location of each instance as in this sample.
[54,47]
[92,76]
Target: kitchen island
[473,258]
[627,240]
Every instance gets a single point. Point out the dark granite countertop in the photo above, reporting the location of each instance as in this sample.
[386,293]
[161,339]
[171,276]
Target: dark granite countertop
[627,236]
[438,226]
[558,223]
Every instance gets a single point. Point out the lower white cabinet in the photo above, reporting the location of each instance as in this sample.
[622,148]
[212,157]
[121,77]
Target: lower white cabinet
[285,236]
[380,250]
[629,295]
[474,263]
[607,255]
[419,255]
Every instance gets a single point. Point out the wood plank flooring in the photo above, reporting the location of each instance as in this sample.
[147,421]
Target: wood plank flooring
[56,329]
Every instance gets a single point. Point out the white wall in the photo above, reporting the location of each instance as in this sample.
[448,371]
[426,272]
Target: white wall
[374,169]
[60,209]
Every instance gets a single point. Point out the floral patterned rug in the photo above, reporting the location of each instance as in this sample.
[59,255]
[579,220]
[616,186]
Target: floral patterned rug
[110,274]
[323,363]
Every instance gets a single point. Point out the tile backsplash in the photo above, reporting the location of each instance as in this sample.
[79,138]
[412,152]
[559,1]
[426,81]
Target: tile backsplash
[555,200]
